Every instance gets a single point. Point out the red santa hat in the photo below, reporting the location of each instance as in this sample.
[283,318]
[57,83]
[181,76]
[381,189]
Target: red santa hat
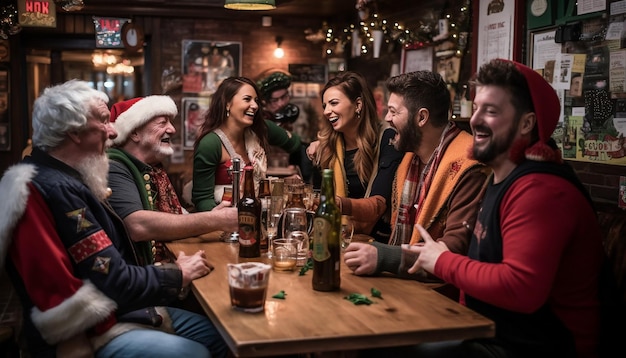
[547,108]
[129,115]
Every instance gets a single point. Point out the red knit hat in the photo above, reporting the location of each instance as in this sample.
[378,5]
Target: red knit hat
[129,115]
[547,107]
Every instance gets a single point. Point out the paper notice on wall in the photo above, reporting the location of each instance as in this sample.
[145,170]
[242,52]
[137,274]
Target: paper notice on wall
[544,49]
[588,6]
[495,30]
[615,30]
[618,7]
[579,63]
[562,71]
[617,71]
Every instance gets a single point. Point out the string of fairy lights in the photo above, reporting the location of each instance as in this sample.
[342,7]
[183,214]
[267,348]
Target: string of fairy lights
[410,36]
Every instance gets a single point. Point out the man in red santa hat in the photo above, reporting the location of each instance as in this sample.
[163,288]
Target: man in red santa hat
[142,194]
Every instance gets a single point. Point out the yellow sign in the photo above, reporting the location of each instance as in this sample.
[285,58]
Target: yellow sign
[37,13]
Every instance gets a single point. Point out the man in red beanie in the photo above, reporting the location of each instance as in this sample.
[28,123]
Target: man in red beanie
[536,254]
[142,194]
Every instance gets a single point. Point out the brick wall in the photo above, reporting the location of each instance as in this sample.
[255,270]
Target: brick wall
[258,44]
[601,180]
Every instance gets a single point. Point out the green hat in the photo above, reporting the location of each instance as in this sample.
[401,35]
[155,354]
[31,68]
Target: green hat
[273,82]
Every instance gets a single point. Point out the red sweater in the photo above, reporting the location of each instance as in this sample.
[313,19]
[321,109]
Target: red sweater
[552,252]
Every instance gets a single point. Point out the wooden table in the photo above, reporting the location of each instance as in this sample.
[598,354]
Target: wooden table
[311,321]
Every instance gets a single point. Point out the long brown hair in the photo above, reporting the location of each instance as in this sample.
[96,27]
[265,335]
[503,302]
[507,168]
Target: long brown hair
[354,86]
[217,113]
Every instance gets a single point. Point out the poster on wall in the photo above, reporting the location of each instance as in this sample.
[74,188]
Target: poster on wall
[207,63]
[589,78]
[193,109]
[496,30]
[109,31]
[596,132]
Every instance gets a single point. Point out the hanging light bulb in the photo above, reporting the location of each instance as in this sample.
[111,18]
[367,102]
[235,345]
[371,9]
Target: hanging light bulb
[279,52]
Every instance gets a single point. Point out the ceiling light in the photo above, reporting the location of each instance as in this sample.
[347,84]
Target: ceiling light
[250,4]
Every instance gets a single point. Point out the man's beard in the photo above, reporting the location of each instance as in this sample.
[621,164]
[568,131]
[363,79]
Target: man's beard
[495,147]
[95,171]
[409,138]
[159,152]
[163,152]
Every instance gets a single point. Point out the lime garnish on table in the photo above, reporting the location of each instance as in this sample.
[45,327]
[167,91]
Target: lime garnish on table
[307,266]
[280,295]
[376,293]
[359,299]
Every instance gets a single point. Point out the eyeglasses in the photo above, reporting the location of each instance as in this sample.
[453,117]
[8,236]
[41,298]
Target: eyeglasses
[284,97]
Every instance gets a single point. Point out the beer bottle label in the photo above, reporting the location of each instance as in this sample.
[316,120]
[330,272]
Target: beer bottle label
[247,232]
[321,230]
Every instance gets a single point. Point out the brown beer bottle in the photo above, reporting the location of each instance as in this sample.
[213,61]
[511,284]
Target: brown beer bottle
[296,197]
[249,215]
[265,196]
[326,233]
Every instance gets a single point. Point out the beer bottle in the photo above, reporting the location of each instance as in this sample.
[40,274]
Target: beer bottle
[249,215]
[265,196]
[296,196]
[264,188]
[326,233]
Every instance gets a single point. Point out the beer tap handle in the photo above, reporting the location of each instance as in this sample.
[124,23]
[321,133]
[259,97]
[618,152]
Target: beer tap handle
[236,172]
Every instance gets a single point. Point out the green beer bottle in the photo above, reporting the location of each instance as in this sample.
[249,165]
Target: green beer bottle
[326,233]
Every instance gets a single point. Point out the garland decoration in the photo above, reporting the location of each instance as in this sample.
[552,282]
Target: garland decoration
[424,32]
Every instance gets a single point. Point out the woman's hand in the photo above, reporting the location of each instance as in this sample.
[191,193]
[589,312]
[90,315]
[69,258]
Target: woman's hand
[311,150]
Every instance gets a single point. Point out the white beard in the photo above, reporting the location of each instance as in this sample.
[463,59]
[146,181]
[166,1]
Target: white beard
[95,172]
[164,151]
[160,153]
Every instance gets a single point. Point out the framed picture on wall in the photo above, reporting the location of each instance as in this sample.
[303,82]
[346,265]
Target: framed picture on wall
[193,109]
[542,49]
[449,68]
[207,63]
[417,60]
[498,32]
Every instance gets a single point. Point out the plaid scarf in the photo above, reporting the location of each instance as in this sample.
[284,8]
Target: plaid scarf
[165,198]
[418,183]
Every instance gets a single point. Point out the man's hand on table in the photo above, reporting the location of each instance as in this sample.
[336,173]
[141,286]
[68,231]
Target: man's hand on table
[193,267]
[361,258]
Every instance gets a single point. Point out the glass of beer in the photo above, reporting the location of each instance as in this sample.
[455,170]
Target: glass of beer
[285,253]
[248,285]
